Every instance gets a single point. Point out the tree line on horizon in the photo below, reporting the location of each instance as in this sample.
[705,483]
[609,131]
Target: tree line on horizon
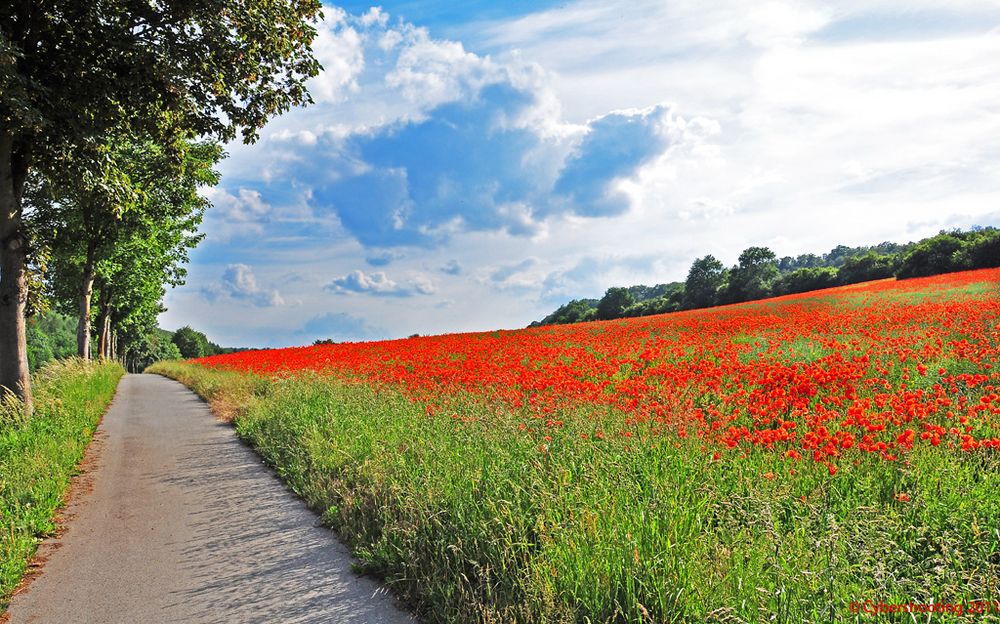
[760,274]
[52,335]
[112,118]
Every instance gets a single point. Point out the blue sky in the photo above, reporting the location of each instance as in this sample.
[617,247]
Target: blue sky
[470,166]
[448,18]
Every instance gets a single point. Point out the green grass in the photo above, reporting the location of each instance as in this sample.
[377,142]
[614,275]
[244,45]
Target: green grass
[470,522]
[40,454]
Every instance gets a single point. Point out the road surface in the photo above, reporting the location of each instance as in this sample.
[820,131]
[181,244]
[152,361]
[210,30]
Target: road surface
[180,522]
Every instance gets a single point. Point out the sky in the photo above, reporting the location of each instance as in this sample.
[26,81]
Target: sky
[472,166]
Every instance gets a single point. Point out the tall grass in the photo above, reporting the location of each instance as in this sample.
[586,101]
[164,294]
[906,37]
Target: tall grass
[469,522]
[38,455]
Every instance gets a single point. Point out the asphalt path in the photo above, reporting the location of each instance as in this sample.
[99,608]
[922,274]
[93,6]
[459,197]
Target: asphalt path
[176,520]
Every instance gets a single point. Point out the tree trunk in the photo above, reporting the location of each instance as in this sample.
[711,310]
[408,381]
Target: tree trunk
[14,373]
[86,293]
[104,325]
[104,339]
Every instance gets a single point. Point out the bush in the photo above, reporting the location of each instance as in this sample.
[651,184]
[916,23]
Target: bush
[870,266]
[804,280]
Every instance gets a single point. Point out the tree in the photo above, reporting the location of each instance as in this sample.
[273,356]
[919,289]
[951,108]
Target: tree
[71,72]
[130,253]
[576,311]
[871,266]
[983,251]
[939,254]
[838,255]
[803,261]
[669,301]
[614,303]
[704,279]
[76,215]
[51,336]
[191,343]
[804,280]
[752,278]
[147,347]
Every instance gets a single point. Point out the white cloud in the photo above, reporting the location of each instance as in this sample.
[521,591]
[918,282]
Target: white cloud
[339,49]
[378,283]
[236,215]
[239,283]
[429,72]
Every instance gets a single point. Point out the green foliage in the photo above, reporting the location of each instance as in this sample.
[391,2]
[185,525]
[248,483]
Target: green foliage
[803,261]
[704,281]
[576,311]
[38,455]
[670,300]
[129,252]
[82,81]
[614,303]
[642,293]
[753,276]
[939,254]
[804,280]
[203,66]
[51,336]
[191,343]
[150,347]
[982,251]
[867,267]
[952,251]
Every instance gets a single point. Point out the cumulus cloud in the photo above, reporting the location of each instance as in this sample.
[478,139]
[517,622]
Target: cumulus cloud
[339,49]
[242,213]
[615,146]
[379,284]
[430,72]
[239,283]
[476,145]
[465,166]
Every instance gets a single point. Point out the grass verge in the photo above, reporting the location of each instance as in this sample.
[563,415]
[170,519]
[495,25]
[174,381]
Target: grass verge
[40,454]
[469,522]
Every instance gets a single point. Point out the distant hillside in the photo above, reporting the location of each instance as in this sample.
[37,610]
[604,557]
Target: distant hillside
[760,274]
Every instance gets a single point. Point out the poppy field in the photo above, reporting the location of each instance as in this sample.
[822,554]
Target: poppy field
[778,460]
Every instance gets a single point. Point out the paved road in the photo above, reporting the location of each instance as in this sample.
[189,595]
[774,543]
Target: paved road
[184,524]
